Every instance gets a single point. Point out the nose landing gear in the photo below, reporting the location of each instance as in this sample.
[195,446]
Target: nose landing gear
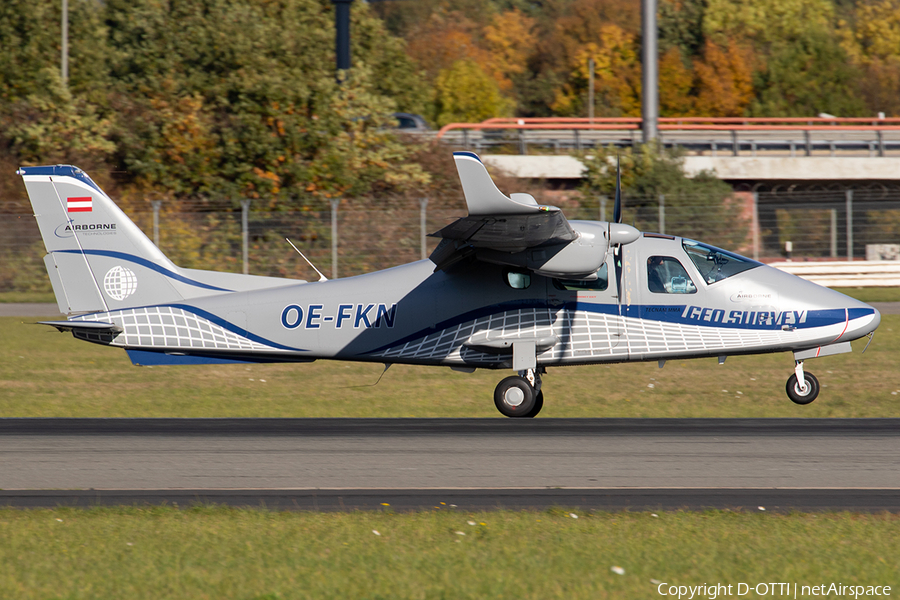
[802,388]
[520,396]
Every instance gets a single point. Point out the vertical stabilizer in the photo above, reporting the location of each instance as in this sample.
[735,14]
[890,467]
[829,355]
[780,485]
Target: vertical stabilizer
[98,259]
[482,195]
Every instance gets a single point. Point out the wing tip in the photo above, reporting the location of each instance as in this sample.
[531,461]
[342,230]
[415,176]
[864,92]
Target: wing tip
[467,154]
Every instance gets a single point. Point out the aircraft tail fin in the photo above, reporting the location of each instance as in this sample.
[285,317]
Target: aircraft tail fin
[97,258]
[482,195]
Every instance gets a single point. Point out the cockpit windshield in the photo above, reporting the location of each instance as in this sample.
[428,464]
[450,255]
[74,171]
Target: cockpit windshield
[714,263]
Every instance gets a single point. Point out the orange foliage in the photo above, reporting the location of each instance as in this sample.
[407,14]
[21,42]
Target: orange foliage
[724,81]
[617,75]
[510,40]
[443,40]
[585,19]
[675,84]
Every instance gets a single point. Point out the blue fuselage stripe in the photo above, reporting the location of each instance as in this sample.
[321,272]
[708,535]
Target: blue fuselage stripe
[217,321]
[233,328]
[148,264]
[681,315]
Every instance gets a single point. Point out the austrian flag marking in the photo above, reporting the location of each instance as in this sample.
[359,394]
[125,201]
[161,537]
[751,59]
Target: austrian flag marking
[84,204]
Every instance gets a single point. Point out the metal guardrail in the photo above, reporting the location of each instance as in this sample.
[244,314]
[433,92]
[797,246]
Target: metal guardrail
[804,136]
[871,273]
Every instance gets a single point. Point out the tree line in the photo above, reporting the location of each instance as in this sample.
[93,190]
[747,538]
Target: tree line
[173,99]
[208,98]
[722,58]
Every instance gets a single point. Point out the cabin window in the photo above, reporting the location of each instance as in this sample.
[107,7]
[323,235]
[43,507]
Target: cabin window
[518,280]
[665,275]
[599,284]
[714,263]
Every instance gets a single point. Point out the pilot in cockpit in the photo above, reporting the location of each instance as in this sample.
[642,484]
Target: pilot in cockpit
[654,277]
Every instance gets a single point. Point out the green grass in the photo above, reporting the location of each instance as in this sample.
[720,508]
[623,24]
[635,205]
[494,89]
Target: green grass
[47,374]
[10,297]
[872,294]
[214,552]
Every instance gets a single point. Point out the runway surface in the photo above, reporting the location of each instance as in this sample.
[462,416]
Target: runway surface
[329,464]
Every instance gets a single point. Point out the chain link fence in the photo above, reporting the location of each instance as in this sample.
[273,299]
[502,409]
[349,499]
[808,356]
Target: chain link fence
[341,242]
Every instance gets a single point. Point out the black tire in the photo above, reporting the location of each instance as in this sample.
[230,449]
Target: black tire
[514,397]
[538,405]
[799,397]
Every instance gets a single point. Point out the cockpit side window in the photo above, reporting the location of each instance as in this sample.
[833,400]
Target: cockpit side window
[715,264]
[599,284]
[665,275]
[517,279]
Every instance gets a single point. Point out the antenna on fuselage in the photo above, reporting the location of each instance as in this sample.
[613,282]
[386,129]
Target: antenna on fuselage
[386,367]
[309,262]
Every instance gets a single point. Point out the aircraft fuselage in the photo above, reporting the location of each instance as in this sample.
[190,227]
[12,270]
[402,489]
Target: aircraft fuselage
[475,317]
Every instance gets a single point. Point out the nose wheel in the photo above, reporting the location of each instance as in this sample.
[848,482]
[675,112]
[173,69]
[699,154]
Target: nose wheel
[520,396]
[802,388]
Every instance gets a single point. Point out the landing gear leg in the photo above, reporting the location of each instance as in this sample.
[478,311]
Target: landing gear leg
[802,388]
[534,378]
[520,396]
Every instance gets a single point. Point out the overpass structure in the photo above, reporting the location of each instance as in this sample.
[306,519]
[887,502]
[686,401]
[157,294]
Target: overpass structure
[736,149]
[727,168]
[817,189]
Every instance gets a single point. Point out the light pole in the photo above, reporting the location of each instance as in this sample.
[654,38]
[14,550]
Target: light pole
[342,33]
[65,42]
[649,58]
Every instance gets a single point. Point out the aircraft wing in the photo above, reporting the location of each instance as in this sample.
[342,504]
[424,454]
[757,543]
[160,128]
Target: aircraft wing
[496,221]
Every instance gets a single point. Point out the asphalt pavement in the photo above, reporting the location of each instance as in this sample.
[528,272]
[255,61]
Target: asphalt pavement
[806,464]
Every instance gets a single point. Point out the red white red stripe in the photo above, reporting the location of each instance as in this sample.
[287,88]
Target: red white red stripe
[84,204]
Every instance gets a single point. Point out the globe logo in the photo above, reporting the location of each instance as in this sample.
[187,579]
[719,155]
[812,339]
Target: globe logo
[120,283]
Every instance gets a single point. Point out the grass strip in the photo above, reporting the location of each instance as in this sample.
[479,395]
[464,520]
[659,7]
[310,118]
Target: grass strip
[872,294]
[47,374]
[215,552]
[13,297]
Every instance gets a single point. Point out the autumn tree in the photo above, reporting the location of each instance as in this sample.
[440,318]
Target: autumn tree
[676,83]
[446,37]
[617,76]
[724,81]
[30,42]
[41,117]
[465,93]
[240,99]
[800,68]
[871,38]
[680,25]
[510,40]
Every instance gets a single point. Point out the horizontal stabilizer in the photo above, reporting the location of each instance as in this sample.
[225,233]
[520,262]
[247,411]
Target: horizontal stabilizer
[145,358]
[84,326]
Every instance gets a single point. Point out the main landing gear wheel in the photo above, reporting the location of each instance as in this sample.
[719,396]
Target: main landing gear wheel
[514,397]
[538,405]
[801,396]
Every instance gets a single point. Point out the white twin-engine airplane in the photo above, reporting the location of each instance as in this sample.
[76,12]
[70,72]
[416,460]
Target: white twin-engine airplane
[513,285]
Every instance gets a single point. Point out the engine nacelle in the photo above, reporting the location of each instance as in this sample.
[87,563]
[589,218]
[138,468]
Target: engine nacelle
[578,259]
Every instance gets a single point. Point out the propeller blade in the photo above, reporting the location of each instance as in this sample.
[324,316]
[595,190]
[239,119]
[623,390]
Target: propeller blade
[617,211]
